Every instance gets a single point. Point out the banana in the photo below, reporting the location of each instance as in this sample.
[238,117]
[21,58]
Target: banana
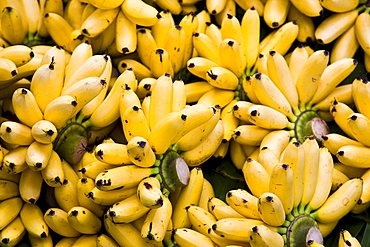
[199,66]
[60,31]
[236,229]
[38,155]
[190,237]
[263,236]
[194,91]
[256,177]
[310,74]
[217,96]
[141,71]
[269,94]
[276,140]
[333,208]
[13,233]
[178,95]
[223,78]
[111,178]
[10,209]
[10,189]
[189,195]
[251,36]
[126,38]
[57,220]
[347,39]
[339,178]
[149,193]
[232,57]
[14,162]
[16,133]
[98,21]
[112,153]
[53,174]
[309,8]
[271,209]
[221,210]
[160,63]
[127,210]
[140,153]
[206,195]
[89,166]
[175,46]
[156,222]
[362,30]
[30,185]
[190,24]
[8,70]
[60,110]
[140,12]
[195,136]
[360,94]
[275,12]
[160,28]
[19,54]
[144,87]
[306,32]
[108,198]
[213,31]
[173,6]
[84,186]
[86,239]
[66,241]
[125,234]
[25,107]
[346,239]
[66,194]
[135,123]
[325,33]
[101,4]
[243,202]
[73,13]
[324,181]
[44,131]
[268,118]
[279,73]
[341,112]
[352,155]
[249,134]
[32,15]
[206,48]
[231,29]
[330,78]
[237,154]
[299,53]
[12,17]
[145,44]
[83,220]
[282,39]
[357,124]
[104,240]
[313,243]
[311,167]
[206,148]
[334,141]
[33,220]
[79,55]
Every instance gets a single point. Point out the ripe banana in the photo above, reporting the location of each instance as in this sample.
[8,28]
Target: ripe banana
[244,203]
[53,173]
[10,209]
[13,233]
[263,236]
[191,238]
[256,177]
[135,123]
[140,153]
[140,12]
[357,124]
[271,209]
[14,162]
[30,185]
[346,239]
[57,220]
[149,193]
[33,220]
[60,110]
[112,153]
[44,131]
[84,187]
[83,220]
[108,198]
[275,12]
[362,30]
[16,133]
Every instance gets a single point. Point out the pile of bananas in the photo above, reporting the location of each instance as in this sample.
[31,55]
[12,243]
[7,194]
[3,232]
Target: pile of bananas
[111,108]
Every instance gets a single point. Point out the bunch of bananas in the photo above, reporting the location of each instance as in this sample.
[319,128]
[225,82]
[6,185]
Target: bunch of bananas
[110,109]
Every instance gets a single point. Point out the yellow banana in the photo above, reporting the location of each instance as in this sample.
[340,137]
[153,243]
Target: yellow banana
[269,94]
[276,140]
[251,36]
[101,4]
[178,95]
[341,112]
[157,221]
[57,220]
[271,209]
[140,153]
[145,44]
[10,189]
[38,155]
[190,24]
[53,174]
[149,193]
[326,33]
[112,153]
[353,155]
[347,39]
[141,71]
[333,208]
[324,180]
[160,28]
[10,209]
[13,233]
[281,184]
[189,195]
[346,239]
[125,234]
[334,141]
[30,184]
[362,30]
[249,134]
[310,74]
[206,48]
[33,220]
[25,107]
[19,54]
[108,198]
[199,66]
[275,12]
[140,12]
[98,21]
[104,240]
[16,133]
[357,124]
[135,123]
[44,131]
[263,236]
[111,179]
[360,95]
[12,17]
[66,194]
[127,210]
[268,118]
[60,110]
[243,202]
[207,193]
[73,13]
[14,162]
[221,210]
[126,38]
[232,57]
[84,186]
[217,96]
[256,177]
[306,32]
[299,53]
[231,29]
[8,70]
[309,8]
[83,220]
[190,237]
[175,46]
[160,63]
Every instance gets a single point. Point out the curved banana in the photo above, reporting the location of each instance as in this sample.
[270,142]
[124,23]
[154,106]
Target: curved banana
[244,203]
[112,153]
[16,133]
[353,155]
[340,202]
[252,135]
[149,193]
[84,186]
[206,48]
[14,162]
[268,118]
[140,153]
[30,184]
[10,209]
[83,220]
[360,95]
[13,233]
[275,12]
[10,189]
[346,239]
[160,28]
[19,54]
[12,17]
[271,209]
[191,238]
[53,174]
[102,4]
[135,123]
[362,30]
[309,8]
[109,197]
[306,32]
[357,124]
[256,177]
[334,141]
[263,236]
[8,70]
[140,12]
[57,220]
[33,220]
[60,110]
